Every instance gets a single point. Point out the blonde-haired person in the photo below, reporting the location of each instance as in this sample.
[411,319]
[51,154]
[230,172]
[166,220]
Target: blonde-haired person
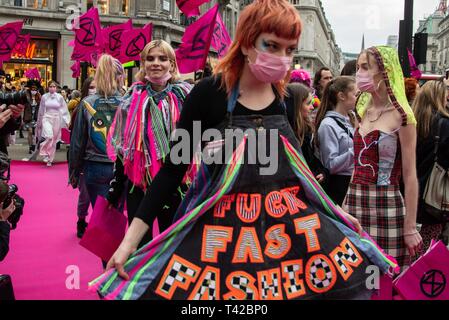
[96,112]
[432,116]
[53,116]
[139,140]
[233,204]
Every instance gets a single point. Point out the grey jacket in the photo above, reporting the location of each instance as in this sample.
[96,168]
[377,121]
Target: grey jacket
[89,134]
[336,145]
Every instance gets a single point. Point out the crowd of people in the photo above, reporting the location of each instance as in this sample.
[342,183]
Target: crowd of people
[361,147]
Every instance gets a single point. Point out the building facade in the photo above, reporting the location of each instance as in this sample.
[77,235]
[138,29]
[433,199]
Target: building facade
[441,41]
[430,26]
[393,41]
[318,47]
[46,21]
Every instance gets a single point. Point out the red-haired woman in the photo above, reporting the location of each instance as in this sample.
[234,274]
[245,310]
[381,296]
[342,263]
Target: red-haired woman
[245,224]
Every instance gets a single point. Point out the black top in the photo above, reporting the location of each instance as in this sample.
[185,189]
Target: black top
[425,160]
[207,103]
[4,239]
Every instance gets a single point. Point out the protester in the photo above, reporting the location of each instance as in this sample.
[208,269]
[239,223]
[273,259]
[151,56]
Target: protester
[411,89]
[88,89]
[322,77]
[53,116]
[336,133]
[432,115]
[245,93]
[350,68]
[31,112]
[385,147]
[74,102]
[300,102]
[88,156]
[160,95]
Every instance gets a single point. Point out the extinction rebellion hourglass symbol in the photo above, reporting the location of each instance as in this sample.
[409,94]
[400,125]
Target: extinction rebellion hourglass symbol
[86,38]
[5,42]
[433,283]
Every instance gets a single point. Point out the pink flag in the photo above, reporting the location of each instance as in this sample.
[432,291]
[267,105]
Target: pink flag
[221,40]
[113,36]
[88,35]
[71,43]
[20,49]
[190,7]
[33,74]
[76,69]
[9,33]
[192,53]
[133,43]
[414,71]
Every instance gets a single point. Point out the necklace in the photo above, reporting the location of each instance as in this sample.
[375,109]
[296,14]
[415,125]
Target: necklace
[380,113]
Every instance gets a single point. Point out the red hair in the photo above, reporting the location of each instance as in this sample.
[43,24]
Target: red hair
[262,16]
[410,88]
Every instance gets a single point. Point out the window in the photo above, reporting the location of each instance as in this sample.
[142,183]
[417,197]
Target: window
[103,6]
[36,4]
[166,5]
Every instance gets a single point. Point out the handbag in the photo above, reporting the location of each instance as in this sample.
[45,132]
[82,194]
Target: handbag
[426,279]
[105,231]
[436,198]
[6,289]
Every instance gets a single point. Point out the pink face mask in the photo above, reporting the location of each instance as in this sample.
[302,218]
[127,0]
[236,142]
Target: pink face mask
[365,82]
[270,68]
[52,90]
[159,81]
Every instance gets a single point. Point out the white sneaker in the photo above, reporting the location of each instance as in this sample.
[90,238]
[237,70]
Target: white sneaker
[49,164]
[46,159]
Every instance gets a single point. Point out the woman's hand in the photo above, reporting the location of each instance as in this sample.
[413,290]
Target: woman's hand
[413,241]
[119,259]
[17,110]
[353,220]
[320,178]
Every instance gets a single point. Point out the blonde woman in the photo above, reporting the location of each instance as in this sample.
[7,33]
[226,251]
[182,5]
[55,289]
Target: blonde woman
[432,116]
[53,116]
[96,112]
[139,139]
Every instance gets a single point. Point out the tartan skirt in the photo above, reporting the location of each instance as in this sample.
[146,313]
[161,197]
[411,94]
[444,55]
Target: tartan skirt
[381,212]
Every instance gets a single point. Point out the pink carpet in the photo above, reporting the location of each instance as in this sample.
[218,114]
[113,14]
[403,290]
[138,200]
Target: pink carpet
[44,247]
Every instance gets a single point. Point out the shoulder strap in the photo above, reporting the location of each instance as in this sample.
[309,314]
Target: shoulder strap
[341,125]
[437,139]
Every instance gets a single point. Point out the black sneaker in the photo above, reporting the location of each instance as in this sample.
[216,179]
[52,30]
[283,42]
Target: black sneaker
[81,226]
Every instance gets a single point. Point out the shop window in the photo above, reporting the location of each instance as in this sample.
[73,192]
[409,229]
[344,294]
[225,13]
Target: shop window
[103,6]
[110,7]
[36,4]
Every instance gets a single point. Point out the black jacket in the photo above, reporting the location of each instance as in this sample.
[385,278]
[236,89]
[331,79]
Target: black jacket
[425,160]
[4,239]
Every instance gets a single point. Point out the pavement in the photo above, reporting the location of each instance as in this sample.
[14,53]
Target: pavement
[19,151]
